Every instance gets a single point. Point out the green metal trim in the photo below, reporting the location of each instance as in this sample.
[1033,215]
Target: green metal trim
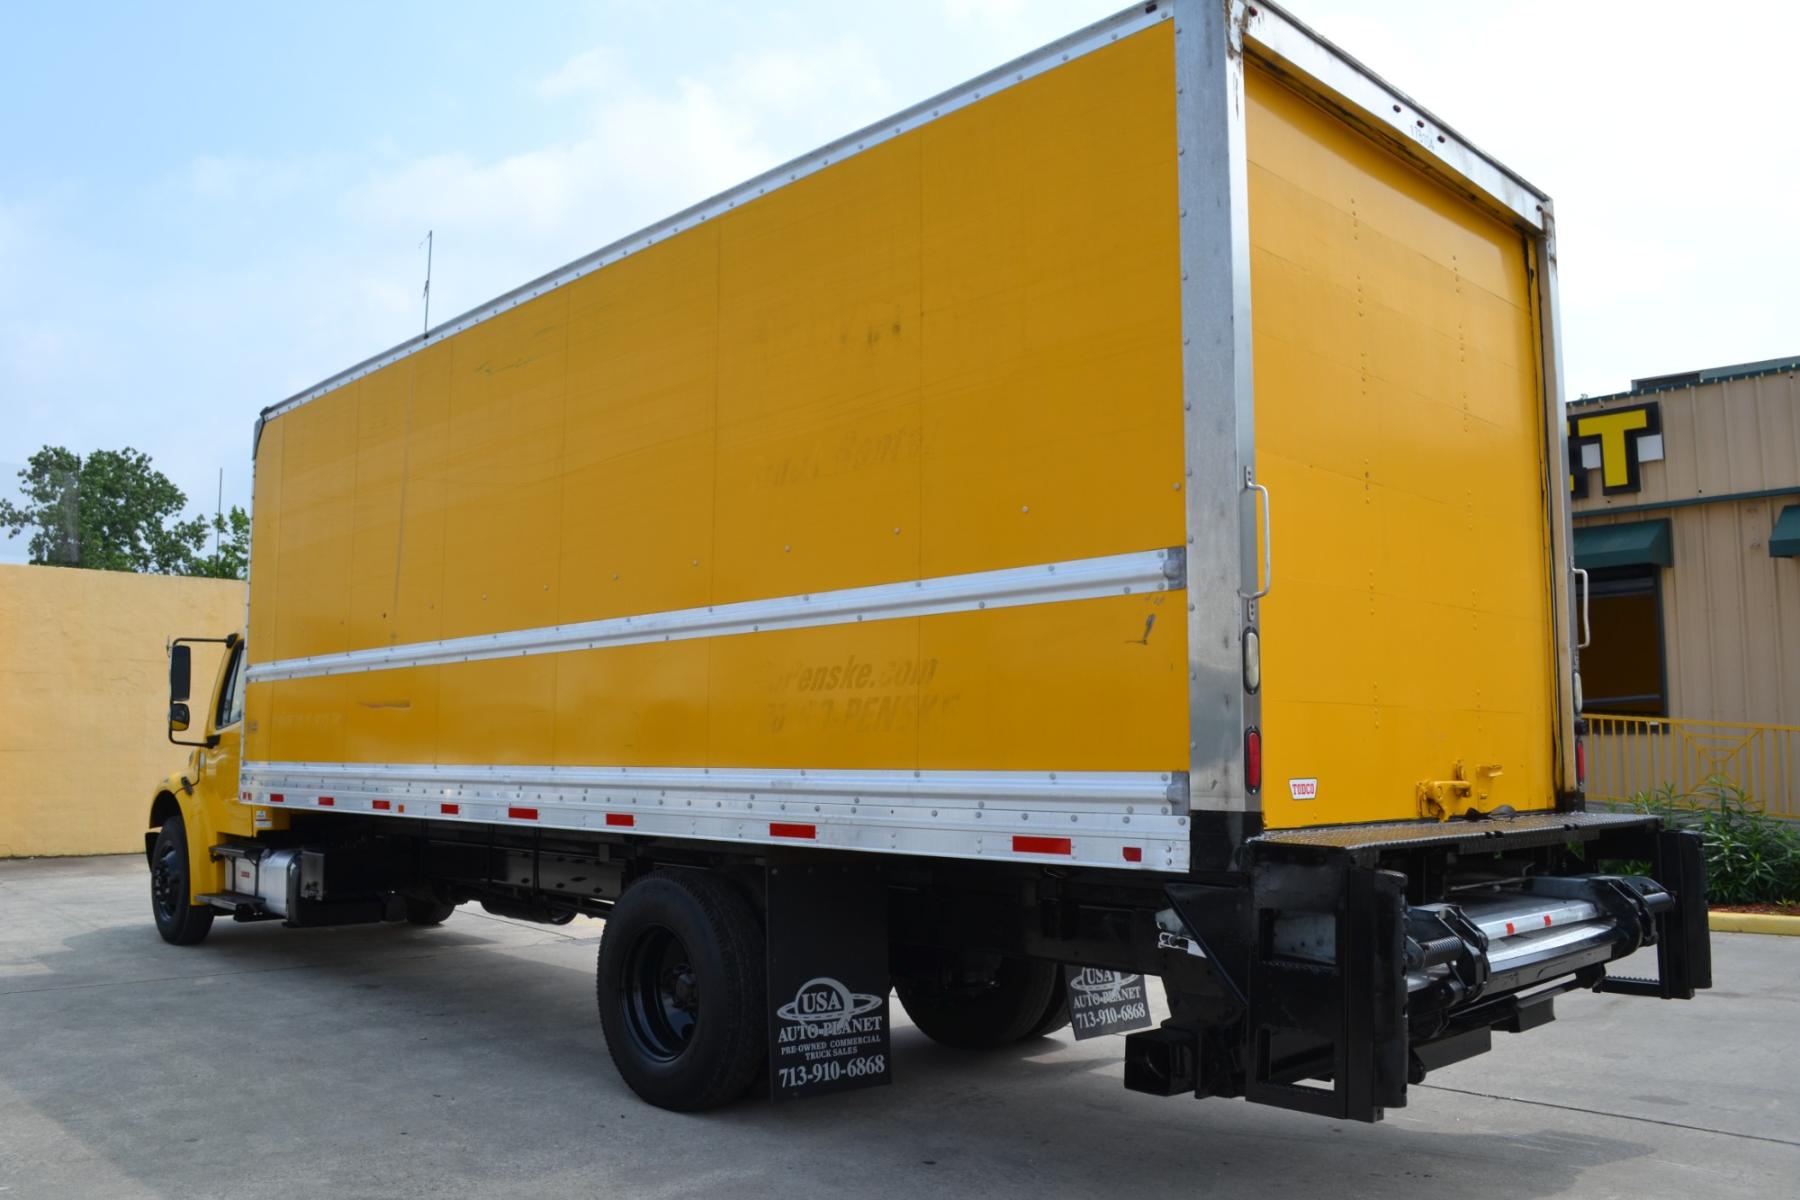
[1633,545]
[1784,540]
[1685,502]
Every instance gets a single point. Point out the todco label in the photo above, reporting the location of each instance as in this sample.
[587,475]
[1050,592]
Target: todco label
[1303,789]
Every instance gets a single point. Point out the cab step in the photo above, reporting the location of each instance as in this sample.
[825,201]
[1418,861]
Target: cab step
[241,907]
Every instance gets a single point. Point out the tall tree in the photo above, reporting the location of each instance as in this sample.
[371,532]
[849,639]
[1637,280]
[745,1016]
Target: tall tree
[112,511]
[231,560]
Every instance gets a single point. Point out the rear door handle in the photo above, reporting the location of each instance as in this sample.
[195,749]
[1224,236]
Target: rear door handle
[1265,572]
[1587,631]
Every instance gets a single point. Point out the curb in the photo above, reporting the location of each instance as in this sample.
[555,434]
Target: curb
[1733,922]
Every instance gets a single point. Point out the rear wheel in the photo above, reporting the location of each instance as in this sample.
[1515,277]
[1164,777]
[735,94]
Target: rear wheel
[180,923]
[427,912]
[681,988]
[982,1002]
[1056,1013]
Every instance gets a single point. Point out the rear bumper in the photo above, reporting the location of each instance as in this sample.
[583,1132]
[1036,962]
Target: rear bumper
[1364,957]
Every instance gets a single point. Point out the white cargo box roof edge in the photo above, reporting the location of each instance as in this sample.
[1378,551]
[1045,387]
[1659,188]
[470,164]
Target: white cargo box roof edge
[1279,39]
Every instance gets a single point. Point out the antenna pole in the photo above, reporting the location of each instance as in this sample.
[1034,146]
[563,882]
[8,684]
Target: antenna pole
[427,328]
[219,514]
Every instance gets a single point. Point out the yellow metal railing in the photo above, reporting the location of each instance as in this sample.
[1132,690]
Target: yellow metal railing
[1628,755]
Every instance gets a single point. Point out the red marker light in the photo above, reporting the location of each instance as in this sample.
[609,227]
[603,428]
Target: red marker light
[1580,763]
[784,829]
[1253,760]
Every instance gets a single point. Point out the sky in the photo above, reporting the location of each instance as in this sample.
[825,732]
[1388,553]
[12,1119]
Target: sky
[206,207]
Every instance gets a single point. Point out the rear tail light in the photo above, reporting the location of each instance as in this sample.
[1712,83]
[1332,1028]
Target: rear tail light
[1253,760]
[1580,763]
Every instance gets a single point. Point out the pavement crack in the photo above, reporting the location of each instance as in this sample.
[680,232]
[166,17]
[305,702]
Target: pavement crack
[1601,1112]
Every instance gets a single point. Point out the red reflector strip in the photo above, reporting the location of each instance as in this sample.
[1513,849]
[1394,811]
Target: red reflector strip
[1509,929]
[382,805]
[326,802]
[778,829]
[521,814]
[277,798]
[1546,918]
[625,819]
[1134,854]
[450,810]
[1023,844]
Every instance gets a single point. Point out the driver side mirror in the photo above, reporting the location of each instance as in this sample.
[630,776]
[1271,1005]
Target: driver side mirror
[181,675]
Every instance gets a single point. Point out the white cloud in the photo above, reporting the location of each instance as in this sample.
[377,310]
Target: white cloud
[587,72]
[786,81]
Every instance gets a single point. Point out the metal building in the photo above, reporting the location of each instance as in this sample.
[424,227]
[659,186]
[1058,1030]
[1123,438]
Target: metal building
[1687,520]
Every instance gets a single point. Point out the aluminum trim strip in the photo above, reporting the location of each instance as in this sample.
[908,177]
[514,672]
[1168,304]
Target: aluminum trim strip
[1103,817]
[1561,518]
[1292,49]
[1083,41]
[1046,583]
[1218,398]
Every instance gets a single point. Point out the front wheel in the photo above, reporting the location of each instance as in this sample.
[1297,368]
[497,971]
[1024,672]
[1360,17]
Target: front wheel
[681,987]
[180,923]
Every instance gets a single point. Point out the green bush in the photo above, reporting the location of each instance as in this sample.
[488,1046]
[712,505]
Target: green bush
[1751,857]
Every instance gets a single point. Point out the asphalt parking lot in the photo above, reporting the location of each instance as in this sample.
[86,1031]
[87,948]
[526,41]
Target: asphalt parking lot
[467,1061]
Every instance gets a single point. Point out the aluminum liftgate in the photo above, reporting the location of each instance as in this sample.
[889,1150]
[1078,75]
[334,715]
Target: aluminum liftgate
[1339,992]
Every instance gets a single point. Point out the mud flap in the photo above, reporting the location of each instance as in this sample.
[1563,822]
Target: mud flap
[829,1028]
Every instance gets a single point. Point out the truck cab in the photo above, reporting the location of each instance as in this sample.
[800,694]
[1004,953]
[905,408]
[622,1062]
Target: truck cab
[195,809]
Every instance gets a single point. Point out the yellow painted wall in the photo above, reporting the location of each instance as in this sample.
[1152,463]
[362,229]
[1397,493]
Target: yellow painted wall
[83,699]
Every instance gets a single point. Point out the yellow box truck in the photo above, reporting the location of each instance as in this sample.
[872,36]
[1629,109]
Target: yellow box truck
[1109,520]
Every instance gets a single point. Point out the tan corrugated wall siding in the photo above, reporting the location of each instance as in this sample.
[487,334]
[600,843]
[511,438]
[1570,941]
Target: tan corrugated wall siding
[1731,613]
[83,699]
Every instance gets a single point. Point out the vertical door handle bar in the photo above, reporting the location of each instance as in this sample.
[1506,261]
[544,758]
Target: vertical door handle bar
[1587,631]
[1265,574]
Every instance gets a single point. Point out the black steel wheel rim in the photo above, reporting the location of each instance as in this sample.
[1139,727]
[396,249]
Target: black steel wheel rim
[166,882]
[662,997]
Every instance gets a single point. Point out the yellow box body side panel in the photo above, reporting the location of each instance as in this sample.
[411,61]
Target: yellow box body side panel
[1399,427]
[957,351]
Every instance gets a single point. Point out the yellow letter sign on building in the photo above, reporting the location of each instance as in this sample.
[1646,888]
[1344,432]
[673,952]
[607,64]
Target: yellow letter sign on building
[1615,443]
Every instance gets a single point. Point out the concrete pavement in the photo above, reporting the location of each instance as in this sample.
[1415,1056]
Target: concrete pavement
[467,1061]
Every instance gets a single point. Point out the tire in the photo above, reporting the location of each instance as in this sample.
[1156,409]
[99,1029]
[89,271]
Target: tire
[982,1002]
[1056,1014]
[681,987]
[427,912]
[180,923]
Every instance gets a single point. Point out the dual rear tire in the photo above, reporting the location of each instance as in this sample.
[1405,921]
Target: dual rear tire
[682,991]
[982,1002]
